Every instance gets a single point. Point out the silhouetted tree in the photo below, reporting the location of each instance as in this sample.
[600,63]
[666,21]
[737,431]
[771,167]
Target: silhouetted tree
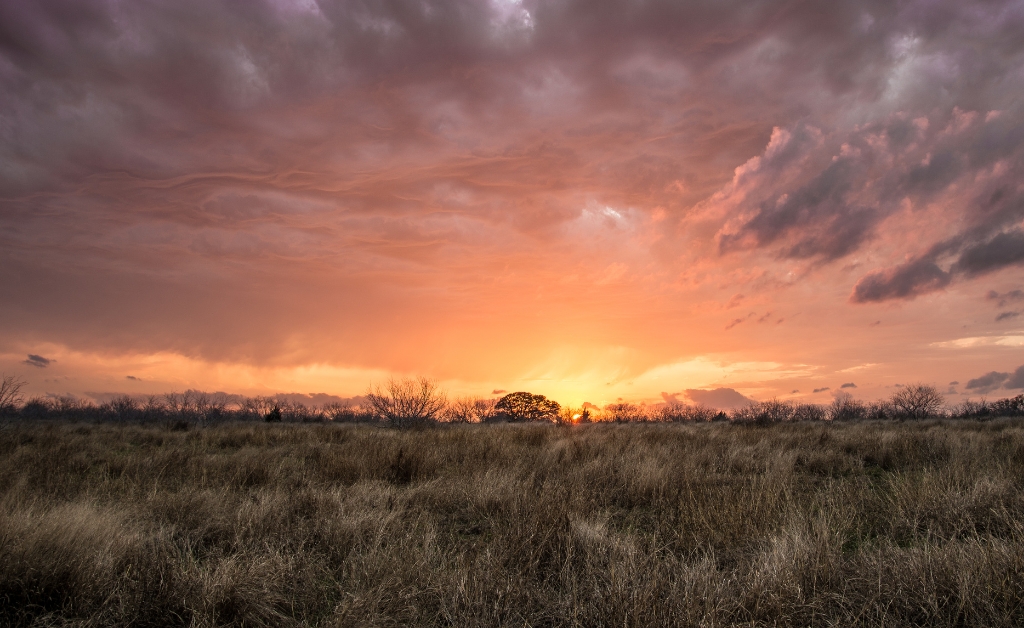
[524,406]
[916,401]
[10,393]
[845,408]
[407,401]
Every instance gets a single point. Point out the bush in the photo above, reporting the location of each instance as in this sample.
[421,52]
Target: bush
[771,411]
[809,412]
[10,393]
[628,412]
[1014,406]
[845,408]
[916,401]
[404,402]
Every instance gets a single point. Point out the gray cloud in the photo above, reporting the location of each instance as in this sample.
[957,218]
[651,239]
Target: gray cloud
[849,385]
[37,361]
[1016,379]
[906,281]
[1006,316]
[987,382]
[161,158]
[923,275]
[818,390]
[1006,297]
[722,398]
[1005,249]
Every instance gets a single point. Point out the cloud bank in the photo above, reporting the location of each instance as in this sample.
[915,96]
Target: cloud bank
[385,185]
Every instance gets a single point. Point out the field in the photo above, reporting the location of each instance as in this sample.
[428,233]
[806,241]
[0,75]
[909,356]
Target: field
[793,524]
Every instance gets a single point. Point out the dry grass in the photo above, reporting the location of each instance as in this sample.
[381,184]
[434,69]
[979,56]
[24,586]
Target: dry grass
[626,525]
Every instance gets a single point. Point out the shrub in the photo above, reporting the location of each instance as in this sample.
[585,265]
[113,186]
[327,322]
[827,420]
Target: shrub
[771,411]
[809,412]
[1014,406]
[121,408]
[10,393]
[916,401]
[845,408]
[407,401]
[628,412]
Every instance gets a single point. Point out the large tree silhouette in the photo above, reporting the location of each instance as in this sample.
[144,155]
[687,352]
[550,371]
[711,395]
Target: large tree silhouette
[524,406]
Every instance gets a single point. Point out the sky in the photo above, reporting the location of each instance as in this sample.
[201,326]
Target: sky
[642,200]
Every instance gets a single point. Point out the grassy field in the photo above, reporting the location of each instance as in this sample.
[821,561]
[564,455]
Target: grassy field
[869,523]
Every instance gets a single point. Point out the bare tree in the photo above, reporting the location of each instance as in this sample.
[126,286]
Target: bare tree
[845,408]
[10,392]
[916,401]
[462,410]
[407,401]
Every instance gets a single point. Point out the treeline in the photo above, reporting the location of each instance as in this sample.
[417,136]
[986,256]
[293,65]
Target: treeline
[420,401]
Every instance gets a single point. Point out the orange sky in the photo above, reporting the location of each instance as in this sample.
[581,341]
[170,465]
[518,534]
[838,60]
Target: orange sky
[588,200]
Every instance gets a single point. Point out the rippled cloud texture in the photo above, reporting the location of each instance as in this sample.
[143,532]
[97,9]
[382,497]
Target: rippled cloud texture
[590,199]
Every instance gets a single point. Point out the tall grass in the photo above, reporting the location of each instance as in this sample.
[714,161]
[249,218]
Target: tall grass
[794,524]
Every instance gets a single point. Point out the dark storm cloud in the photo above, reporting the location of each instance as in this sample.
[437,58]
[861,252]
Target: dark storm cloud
[818,214]
[37,361]
[164,158]
[987,382]
[1005,249]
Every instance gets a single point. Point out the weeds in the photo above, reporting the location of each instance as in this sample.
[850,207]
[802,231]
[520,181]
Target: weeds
[719,523]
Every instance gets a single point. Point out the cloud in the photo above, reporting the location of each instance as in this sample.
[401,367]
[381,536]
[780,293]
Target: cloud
[987,382]
[37,361]
[818,390]
[1016,380]
[903,282]
[133,378]
[670,398]
[1006,316]
[736,321]
[1006,297]
[1005,249]
[498,391]
[923,275]
[849,385]
[722,398]
[954,383]
[444,156]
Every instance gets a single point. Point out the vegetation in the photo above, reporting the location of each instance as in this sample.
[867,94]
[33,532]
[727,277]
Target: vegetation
[524,406]
[407,402]
[413,402]
[720,523]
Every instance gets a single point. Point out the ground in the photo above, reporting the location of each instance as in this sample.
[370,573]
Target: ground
[870,523]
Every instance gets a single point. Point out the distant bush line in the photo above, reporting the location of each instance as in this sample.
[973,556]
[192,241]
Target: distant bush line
[420,401]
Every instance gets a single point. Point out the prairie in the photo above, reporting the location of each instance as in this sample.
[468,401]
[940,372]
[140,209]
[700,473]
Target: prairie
[714,524]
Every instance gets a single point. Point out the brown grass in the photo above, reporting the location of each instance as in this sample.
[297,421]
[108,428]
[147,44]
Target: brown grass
[625,525]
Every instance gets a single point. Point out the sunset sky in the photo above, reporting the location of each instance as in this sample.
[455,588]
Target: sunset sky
[590,200]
